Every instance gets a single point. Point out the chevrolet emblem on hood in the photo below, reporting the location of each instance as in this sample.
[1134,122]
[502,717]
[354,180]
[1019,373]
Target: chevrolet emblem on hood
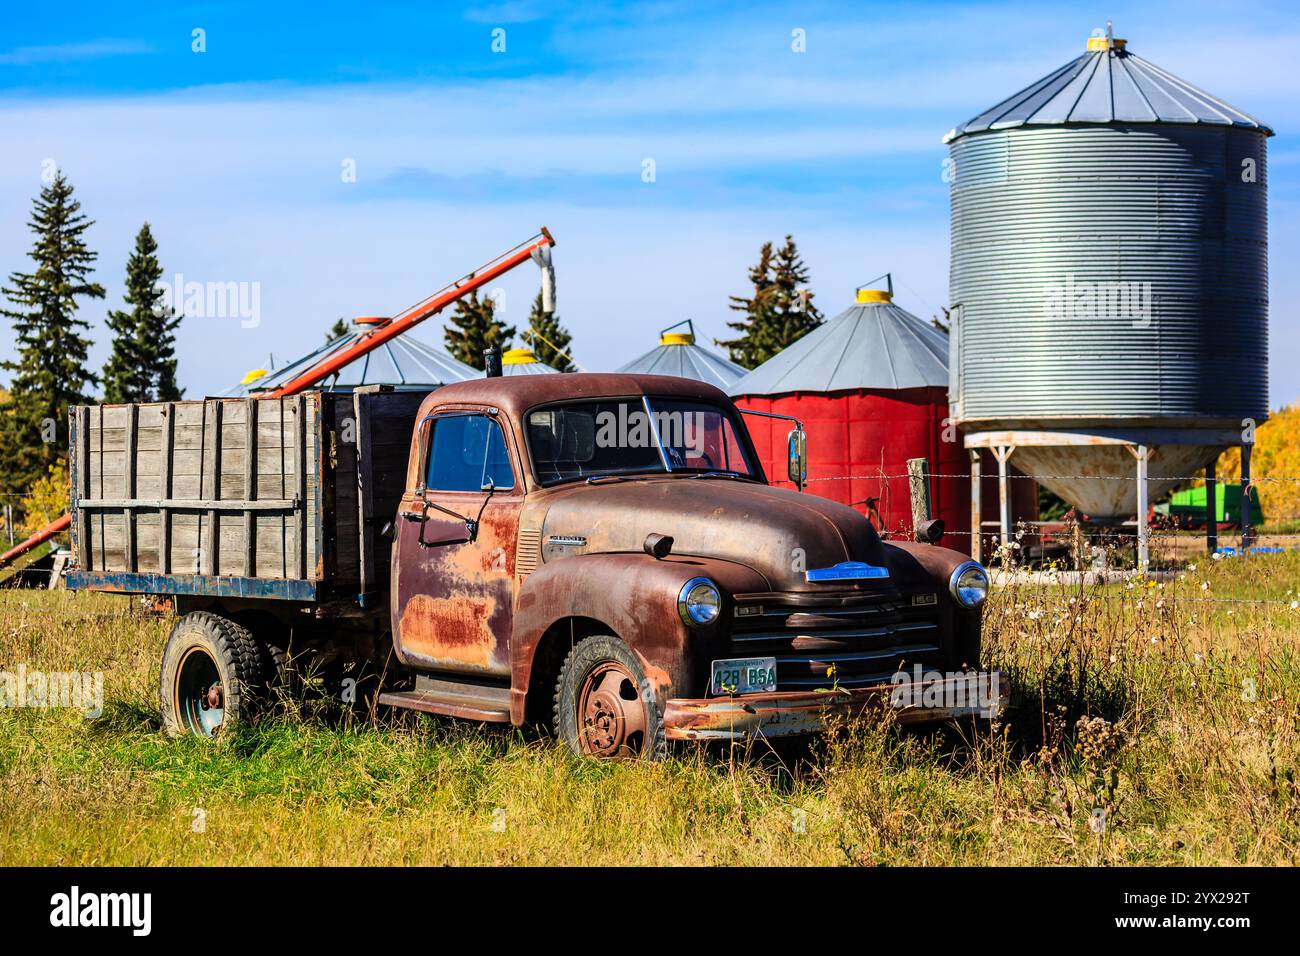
[846,571]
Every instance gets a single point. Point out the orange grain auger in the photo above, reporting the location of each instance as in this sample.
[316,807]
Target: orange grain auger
[538,248]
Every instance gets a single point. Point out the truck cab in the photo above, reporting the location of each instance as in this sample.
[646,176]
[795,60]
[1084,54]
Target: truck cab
[602,552]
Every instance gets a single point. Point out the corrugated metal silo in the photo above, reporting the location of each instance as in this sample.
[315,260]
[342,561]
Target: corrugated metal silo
[404,363]
[678,354]
[1109,276]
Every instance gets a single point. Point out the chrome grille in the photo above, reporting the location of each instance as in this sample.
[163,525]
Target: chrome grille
[865,643]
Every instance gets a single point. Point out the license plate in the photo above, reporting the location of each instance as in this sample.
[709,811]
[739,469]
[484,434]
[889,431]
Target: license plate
[744,675]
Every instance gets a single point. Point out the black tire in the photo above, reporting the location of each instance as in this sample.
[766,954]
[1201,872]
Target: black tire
[206,651]
[605,655]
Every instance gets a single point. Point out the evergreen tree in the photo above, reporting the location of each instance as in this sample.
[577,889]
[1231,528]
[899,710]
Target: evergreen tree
[474,328]
[142,365]
[50,371]
[549,339]
[337,330]
[780,311]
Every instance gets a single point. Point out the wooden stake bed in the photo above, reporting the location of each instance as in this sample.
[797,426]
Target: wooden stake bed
[255,497]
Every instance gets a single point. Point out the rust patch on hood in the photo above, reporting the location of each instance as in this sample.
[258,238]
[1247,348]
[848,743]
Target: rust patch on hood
[449,630]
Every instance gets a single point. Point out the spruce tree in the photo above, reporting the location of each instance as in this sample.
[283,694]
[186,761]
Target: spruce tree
[337,330]
[142,365]
[474,328]
[745,349]
[549,339]
[778,313]
[50,371]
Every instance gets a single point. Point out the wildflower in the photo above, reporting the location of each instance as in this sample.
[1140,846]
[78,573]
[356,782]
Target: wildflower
[1191,567]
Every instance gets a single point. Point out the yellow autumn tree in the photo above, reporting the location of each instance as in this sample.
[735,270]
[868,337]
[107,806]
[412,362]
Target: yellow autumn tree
[47,499]
[1276,456]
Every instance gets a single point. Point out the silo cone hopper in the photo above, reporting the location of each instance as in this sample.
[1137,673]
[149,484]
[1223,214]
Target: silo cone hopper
[1097,470]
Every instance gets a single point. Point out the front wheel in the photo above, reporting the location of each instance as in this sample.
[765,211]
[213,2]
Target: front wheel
[604,705]
[209,668]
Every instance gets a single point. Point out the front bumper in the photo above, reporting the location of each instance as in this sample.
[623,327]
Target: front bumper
[793,713]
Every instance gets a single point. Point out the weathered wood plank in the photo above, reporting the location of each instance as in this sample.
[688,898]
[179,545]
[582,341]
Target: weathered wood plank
[85,551]
[250,487]
[300,474]
[210,486]
[128,515]
[165,487]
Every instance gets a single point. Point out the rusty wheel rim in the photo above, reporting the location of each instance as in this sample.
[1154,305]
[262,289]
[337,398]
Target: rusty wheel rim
[199,695]
[612,717]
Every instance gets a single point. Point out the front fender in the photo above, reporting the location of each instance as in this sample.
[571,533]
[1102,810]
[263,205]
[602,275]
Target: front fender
[635,596]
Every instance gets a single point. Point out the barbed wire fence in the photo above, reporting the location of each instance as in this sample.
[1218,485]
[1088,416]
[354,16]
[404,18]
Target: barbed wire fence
[1104,543]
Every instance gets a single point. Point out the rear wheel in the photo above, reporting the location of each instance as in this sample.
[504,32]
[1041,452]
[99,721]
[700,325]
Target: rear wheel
[210,667]
[604,706]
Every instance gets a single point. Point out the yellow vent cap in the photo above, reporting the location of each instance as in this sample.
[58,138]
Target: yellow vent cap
[519,357]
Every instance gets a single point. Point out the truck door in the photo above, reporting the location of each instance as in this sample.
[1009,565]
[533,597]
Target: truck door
[454,557]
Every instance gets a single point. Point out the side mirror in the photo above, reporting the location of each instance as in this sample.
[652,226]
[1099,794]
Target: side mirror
[797,450]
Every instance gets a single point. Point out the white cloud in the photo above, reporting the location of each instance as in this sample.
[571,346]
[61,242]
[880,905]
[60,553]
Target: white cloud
[63,52]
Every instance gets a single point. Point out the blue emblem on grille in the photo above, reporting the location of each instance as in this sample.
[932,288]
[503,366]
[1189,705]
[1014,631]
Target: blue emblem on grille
[847,571]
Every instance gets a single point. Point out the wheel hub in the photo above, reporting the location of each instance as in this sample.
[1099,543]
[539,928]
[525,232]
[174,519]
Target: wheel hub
[613,716]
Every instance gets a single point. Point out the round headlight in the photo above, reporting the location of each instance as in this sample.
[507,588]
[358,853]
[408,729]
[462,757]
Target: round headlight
[700,602]
[969,585]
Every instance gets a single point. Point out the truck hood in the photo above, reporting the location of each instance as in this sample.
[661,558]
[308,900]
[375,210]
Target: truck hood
[778,532]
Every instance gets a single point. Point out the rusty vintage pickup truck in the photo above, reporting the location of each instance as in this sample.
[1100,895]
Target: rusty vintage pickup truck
[597,552]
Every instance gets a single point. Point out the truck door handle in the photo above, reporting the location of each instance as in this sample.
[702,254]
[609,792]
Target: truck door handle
[411,515]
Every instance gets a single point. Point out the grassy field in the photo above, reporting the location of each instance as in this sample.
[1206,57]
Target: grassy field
[1152,724]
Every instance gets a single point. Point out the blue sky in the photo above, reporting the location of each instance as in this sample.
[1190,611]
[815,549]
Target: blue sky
[234,155]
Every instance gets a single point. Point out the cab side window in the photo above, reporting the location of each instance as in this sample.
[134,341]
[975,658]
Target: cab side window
[468,453]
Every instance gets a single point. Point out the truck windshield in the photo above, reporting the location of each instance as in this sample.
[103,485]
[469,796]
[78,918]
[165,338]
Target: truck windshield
[629,436]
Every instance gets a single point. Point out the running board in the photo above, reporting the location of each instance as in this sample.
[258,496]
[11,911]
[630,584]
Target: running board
[450,698]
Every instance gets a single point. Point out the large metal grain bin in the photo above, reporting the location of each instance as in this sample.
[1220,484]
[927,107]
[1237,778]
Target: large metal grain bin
[1109,273]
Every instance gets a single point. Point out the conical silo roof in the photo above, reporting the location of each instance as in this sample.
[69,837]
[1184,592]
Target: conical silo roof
[524,362]
[1108,84]
[403,362]
[678,354]
[872,344]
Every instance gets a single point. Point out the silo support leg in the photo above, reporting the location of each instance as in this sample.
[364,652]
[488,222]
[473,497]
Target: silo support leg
[1211,508]
[976,516]
[1246,491]
[1143,455]
[1003,455]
